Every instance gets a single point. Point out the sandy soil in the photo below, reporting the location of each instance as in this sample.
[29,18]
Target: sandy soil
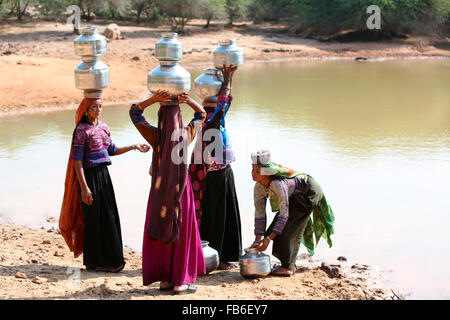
[36,264]
[37,58]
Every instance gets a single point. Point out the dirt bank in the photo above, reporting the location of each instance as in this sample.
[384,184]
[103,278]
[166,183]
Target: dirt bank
[36,264]
[37,58]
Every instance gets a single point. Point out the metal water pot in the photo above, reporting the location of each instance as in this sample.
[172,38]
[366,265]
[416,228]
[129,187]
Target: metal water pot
[228,53]
[170,76]
[208,84]
[254,264]
[90,42]
[211,257]
[169,48]
[91,74]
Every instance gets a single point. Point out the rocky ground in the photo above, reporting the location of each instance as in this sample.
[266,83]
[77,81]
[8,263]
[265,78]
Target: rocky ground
[36,264]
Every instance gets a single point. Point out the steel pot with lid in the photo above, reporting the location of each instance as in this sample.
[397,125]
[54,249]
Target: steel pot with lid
[228,53]
[208,84]
[90,42]
[169,48]
[254,264]
[170,76]
[92,74]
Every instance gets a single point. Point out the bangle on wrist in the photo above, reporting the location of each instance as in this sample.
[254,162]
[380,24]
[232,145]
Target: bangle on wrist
[133,147]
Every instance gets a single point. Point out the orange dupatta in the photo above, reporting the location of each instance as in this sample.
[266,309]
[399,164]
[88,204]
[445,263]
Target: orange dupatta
[71,224]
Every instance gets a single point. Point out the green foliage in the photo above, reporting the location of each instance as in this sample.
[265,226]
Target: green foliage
[179,12]
[235,9]
[268,10]
[211,9]
[314,16]
[52,8]
[147,8]
[329,16]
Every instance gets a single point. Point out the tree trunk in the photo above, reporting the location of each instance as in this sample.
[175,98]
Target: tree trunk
[207,23]
[138,14]
[21,12]
[19,16]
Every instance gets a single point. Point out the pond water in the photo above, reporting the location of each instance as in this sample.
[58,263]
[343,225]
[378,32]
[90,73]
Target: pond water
[374,135]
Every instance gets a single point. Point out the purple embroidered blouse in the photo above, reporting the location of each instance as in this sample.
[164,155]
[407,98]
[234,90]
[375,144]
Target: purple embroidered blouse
[92,144]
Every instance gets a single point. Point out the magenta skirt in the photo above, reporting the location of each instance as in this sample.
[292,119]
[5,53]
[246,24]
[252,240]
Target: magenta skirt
[178,264]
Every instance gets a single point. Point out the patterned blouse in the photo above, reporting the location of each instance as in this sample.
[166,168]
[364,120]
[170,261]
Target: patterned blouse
[217,121]
[92,144]
[280,189]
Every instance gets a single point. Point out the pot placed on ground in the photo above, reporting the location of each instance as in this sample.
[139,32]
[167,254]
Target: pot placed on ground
[211,257]
[254,264]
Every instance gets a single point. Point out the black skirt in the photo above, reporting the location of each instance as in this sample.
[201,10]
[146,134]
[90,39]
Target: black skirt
[221,221]
[102,235]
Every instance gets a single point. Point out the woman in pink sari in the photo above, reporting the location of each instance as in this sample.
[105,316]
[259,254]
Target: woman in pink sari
[172,251]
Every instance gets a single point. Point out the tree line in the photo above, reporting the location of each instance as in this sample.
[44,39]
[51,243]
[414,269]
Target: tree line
[313,16]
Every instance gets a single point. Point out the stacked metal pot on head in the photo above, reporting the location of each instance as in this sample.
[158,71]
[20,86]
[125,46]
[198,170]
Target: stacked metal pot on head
[169,75]
[208,84]
[92,75]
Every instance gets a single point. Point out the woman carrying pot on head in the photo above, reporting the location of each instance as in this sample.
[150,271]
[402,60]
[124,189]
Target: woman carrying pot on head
[89,219]
[213,180]
[294,196]
[172,251]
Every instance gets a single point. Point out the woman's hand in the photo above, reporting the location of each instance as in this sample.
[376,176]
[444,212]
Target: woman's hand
[228,72]
[184,98]
[161,96]
[142,147]
[257,242]
[86,196]
[263,244]
[158,96]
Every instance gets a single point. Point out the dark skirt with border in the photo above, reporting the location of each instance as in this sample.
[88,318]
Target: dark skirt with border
[102,234]
[221,220]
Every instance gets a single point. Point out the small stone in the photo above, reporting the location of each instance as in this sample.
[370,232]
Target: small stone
[21,275]
[255,280]
[46,242]
[135,58]
[332,269]
[34,261]
[58,254]
[331,264]
[223,285]
[342,258]
[360,267]
[39,280]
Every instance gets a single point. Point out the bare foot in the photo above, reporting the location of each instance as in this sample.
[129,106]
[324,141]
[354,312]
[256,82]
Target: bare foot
[282,272]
